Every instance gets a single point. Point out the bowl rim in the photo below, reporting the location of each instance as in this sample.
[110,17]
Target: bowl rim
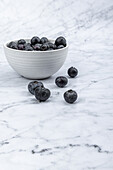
[23,51]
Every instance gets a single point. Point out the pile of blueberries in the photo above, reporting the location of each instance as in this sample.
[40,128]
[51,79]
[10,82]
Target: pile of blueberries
[42,94]
[38,44]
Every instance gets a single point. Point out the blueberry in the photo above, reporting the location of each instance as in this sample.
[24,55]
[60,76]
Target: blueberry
[44,47]
[60,41]
[37,47]
[60,46]
[28,48]
[27,44]
[33,85]
[21,47]
[70,96]
[49,49]
[12,45]
[61,81]
[51,45]
[42,94]
[21,41]
[43,40]
[54,46]
[35,40]
[72,72]
[47,43]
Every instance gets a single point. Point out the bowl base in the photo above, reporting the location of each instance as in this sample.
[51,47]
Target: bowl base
[36,78]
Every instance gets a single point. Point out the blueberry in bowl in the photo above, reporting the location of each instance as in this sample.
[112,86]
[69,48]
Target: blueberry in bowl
[36,58]
[37,47]
[60,46]
[60,41]
[21,41]
[35,43]
[43,40]
[21,46]
[35,40]
[44,47]
[12,45]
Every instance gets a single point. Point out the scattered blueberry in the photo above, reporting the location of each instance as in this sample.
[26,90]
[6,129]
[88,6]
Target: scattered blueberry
[43,40]
[35,40]
[21,41]
[60,41]
[70,96]
[61,81]
[72,72]
[33,85]
[42,94]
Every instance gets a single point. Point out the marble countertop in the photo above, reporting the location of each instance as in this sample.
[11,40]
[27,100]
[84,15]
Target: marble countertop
[55,135]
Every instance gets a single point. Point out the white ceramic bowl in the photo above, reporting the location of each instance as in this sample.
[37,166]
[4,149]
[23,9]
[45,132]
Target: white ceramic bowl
[36,64]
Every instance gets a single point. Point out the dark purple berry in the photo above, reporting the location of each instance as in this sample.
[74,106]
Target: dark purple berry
[60,41]
[21,47]
[35,40]
[72,72]
[61,81]
[12,45]
[33,85]
[49,49]
[43,40]
[28,44]
[21,41]
[51,45]
[47,43]
[37,47]
[54,46]
[42,94]
[28,48]
[70,96]
[44,47]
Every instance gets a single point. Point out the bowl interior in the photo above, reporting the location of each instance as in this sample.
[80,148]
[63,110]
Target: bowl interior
[28,41]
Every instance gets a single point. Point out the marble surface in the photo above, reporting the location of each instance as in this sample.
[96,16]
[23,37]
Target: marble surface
[55,135]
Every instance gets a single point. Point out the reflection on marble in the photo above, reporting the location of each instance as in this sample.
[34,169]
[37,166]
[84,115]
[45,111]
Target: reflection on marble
[55,135]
